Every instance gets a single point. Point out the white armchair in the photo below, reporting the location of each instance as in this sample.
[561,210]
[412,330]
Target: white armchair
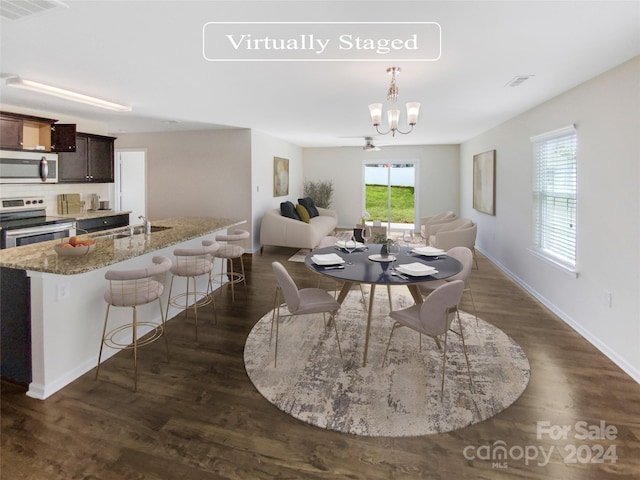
[459,233]
[438,218]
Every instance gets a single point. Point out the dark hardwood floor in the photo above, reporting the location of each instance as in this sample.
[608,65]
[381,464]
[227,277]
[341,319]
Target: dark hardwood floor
[199,416]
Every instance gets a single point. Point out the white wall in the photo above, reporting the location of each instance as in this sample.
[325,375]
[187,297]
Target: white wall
[263,149]
[436,187]
[606,111]
[196,173]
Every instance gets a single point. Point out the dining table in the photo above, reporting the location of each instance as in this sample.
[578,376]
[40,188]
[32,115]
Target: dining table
[407,266]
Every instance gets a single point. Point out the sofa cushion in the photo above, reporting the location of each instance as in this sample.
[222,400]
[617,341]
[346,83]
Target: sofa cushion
[307,203]
[302,213]
[288,209]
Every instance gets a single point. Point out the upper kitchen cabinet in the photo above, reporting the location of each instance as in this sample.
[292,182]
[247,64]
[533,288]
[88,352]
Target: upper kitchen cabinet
[91,162]
[25,132]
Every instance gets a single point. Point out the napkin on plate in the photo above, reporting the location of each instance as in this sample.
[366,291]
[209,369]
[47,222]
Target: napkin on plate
[416,269]
[327,259]
[429,251]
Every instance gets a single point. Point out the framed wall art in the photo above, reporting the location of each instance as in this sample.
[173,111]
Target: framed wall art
[280,177]
[484,180]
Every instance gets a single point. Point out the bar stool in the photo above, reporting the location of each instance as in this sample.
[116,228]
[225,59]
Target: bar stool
[192,263]
[131,288]
[230,251]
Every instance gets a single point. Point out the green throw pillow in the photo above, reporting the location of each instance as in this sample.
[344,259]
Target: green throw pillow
[302,213]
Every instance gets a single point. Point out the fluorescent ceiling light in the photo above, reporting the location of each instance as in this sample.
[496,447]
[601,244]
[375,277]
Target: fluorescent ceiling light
[66,94]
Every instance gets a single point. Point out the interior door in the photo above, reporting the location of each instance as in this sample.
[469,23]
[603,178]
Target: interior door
[131,183]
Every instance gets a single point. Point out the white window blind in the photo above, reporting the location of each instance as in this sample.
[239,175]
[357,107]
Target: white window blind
[555,195]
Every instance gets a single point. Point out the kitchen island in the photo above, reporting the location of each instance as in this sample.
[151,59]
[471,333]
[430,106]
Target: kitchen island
[67,305]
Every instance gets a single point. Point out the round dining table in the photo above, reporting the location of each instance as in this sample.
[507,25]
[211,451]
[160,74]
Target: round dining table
[365,265]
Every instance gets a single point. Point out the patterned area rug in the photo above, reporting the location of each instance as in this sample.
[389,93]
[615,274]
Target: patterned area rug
[402,398]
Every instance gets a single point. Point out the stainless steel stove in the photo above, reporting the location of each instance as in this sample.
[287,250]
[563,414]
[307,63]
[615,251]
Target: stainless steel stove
[24,220]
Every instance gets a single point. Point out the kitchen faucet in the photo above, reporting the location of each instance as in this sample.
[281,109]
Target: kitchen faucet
[147,224]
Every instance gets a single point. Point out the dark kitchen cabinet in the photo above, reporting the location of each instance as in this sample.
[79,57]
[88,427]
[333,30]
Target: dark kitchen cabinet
[92,160]
[103,223]
[26,132]
[63,137]
[15,325]
[10,132]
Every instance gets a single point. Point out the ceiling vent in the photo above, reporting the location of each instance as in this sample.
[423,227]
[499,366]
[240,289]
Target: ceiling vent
[519,80]
[17,9]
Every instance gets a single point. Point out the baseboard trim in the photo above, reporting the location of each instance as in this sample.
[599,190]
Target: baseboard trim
[629,369]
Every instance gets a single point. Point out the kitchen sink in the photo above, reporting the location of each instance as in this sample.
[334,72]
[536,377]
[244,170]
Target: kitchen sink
[137,230]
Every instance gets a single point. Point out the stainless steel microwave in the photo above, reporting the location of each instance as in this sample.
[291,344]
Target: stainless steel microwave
[28,167]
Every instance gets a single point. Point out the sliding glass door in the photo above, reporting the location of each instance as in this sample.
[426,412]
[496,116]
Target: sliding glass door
[389,193]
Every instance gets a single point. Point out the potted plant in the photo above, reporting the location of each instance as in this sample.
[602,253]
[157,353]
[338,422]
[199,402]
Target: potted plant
[320,192]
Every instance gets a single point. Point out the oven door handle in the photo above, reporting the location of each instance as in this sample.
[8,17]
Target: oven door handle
[58,227]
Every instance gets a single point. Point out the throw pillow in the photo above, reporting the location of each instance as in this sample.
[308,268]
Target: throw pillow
[309,205]
[288,209]
[302,213]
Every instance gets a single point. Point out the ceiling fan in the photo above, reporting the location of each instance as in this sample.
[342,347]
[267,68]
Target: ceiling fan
[369,146]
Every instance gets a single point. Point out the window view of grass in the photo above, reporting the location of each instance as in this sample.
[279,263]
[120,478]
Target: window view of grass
[401,203]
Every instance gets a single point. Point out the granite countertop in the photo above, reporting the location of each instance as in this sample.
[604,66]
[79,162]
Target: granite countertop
[41,257]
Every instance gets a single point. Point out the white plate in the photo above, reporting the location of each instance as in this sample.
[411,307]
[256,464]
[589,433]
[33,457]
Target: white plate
[342,244]
[379,258]
[416,269]
[429,251]
[327,259]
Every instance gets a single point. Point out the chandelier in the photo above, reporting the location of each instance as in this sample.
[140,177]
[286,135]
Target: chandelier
[393,114]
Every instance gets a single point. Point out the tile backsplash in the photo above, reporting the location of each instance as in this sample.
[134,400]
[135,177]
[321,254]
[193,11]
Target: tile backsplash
[51,191]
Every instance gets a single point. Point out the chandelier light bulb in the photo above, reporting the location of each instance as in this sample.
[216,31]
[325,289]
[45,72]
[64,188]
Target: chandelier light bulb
[375,110]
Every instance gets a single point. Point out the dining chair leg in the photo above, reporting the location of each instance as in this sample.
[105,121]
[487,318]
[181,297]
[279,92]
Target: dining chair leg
[473,303]
[464,349]
[275,357]
[393,329]
[273,314]
[444,365]
[335,327]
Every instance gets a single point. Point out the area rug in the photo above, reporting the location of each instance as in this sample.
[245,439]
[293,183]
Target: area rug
[300,255]
[402,398]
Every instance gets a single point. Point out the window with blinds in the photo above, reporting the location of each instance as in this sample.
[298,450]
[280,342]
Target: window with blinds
[554,195]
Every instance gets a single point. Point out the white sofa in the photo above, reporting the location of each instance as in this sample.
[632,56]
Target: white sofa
[280,231]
